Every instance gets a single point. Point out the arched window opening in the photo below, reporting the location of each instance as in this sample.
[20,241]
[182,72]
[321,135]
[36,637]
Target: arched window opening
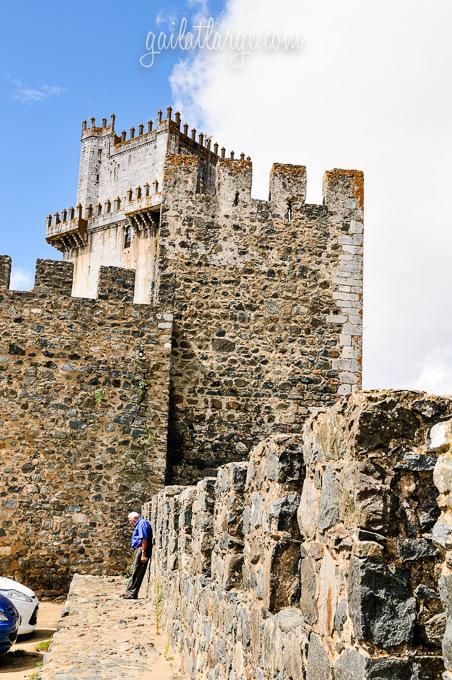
[127,237]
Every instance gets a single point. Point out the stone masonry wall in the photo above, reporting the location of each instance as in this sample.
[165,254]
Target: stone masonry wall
[268,305]
[441,444]
[314,560]
[83,422]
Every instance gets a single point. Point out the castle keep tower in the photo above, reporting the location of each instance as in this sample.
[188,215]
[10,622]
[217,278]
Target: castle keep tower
[115,221]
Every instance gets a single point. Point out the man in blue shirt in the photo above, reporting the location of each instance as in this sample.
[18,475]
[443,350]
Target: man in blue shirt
[142,545]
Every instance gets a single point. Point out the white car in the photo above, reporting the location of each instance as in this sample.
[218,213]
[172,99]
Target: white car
[24,600]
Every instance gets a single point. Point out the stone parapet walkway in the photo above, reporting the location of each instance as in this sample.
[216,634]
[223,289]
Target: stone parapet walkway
[102,636]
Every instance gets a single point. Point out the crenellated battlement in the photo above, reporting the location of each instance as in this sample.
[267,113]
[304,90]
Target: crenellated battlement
[54,278]
[143,131]
[191,138]
[343,190]
[313,560]
[96,130]
[5,272]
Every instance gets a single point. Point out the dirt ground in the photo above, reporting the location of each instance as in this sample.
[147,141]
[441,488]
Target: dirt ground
[21,660]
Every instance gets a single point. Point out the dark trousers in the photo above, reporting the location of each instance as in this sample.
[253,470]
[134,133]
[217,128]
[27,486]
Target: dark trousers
[138,572]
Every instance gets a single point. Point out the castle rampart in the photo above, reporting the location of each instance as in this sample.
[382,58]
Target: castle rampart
[83,394]
[315,559]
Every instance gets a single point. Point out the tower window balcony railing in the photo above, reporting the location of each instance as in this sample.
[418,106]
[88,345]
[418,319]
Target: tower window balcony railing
[67,230]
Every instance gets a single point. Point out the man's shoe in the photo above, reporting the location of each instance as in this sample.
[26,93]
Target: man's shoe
[126,596]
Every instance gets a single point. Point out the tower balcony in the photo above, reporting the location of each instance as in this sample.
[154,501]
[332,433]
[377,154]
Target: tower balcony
[139,207]
[143,207]
[68,230]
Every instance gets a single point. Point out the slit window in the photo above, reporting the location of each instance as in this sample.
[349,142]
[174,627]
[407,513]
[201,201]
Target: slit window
[127,237]
[289,211]
[236,198]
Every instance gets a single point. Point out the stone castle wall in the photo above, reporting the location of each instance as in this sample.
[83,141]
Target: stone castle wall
[441,444]
[315,559]
[267,301]
[83,414]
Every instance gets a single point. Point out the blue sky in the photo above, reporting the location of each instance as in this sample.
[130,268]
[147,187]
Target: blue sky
[62,62]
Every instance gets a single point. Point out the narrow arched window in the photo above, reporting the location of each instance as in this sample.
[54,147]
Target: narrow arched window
[236,198]
[127,237]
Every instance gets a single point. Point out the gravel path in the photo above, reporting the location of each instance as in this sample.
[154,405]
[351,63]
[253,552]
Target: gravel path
[102,636]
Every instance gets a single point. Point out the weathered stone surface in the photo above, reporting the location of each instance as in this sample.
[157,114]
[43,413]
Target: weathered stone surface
[282,513]
[385,422]
[284,580]
[309,509]
[355,600]
[447,644]
[341,615]
[329,500]
[353,665]
[441,442]
[440,437]
[318,662]
[381,609]
[416,549]
[291,623]
[327,598]
[84,411]
[308,599]
[435,629]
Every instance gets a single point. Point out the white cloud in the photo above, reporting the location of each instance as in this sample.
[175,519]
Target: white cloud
[372,90]
[197,11]
[21,279]
[166,18]
[201,10]
[435,373]
[31,95]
